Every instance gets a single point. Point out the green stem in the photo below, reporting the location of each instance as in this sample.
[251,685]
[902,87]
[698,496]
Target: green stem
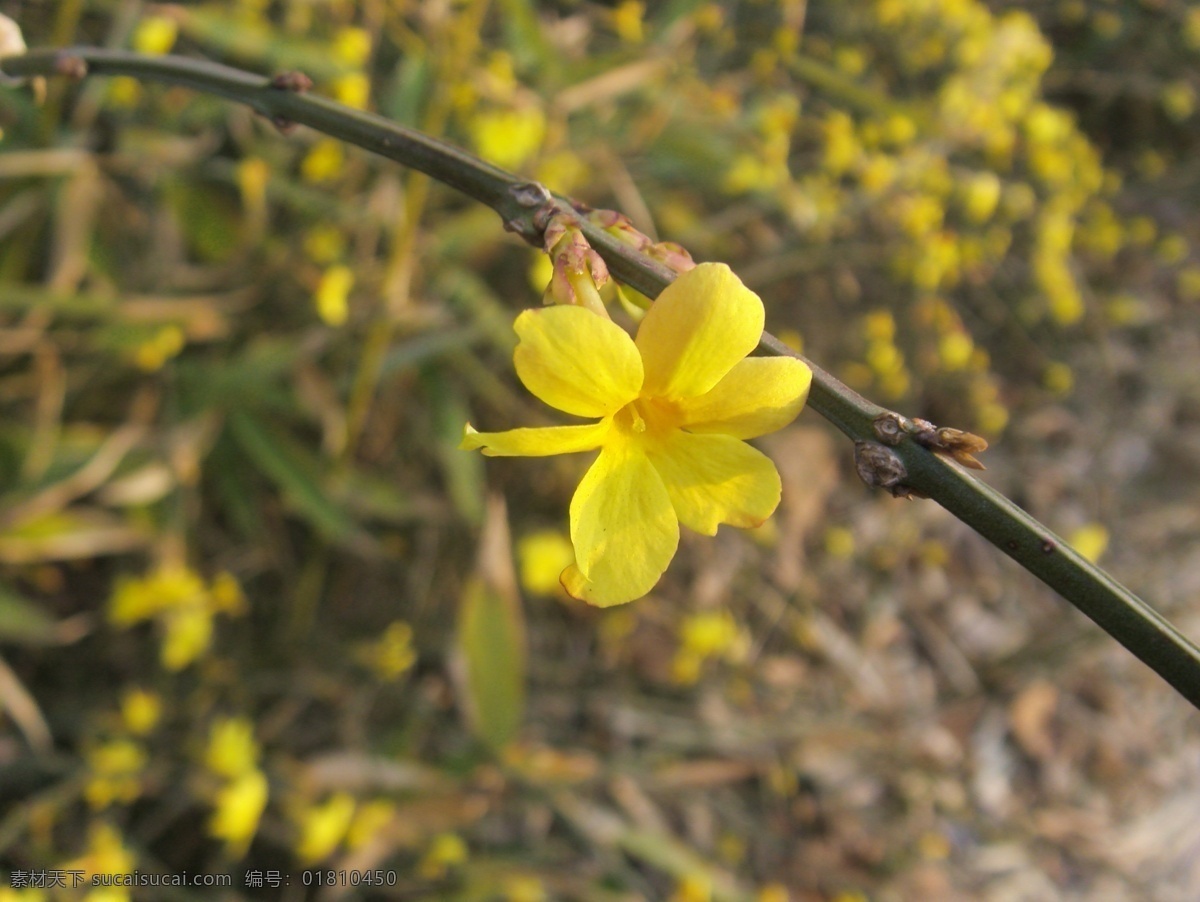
[523,207]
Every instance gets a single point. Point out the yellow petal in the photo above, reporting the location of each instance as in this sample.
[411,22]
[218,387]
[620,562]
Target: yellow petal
[540,442]
[577,361]
[623,526]
[701,325]
[714,479]
[759,395]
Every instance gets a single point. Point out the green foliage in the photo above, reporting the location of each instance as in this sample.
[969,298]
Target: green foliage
[491,639]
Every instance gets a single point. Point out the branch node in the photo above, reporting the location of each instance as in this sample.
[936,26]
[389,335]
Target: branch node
[531,194]
[890,428]
[71,66]
[295,81]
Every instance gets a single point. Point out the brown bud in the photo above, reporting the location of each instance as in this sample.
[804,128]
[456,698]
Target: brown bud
[961,445]
[295,81]
[881,468]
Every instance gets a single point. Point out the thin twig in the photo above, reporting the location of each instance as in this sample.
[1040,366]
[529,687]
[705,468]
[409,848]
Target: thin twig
[524,208]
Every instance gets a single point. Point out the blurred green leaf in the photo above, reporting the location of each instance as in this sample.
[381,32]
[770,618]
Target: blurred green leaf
[23,621]
[463,472]
[208,217]
[295,471]
[491,638]
[246,39]
[254,379]
[405,98]
[529,45]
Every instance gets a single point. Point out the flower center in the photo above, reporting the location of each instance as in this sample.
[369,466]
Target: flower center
[646,418]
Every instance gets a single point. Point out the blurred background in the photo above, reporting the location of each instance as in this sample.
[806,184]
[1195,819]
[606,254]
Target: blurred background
[260,617]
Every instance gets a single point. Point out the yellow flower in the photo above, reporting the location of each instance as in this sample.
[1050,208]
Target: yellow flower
[324,161]
[447,850]
[333,292]
[140,711]
[508,137]
[187,634]
[232,750]
[627,21]
[237,809]
[392,654]
[1090,540]
[106,853]
[323,827]
[674,407]
[168,588]
[116,769]
[353,89]
[155,35]
[369,820]
[542,556]
[352,46]
[152,354]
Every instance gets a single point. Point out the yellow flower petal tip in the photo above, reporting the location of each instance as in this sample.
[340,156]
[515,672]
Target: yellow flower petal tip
[470,442]
[581,588]
[674,407]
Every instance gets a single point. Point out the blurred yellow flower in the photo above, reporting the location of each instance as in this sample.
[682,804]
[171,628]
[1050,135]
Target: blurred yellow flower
[1058,378]
[981,195]
[542,556]
[369,819]
[225,594]
[1090,540]
[352,46]
[114,773]
[353,89]
[232,749]
[839,542]
[323,827]
[446,851]
[141,599]
[324,243]
[167,342]
[253,174]
[955,349]
[1187,283]
[324,161]
[333,293]
[562,171]
[1178,99]
[182,605]
[187,633]
[392,654]
[155,35]
[508,138]
[693,888]
[1191,28]
[106,853]
[842,147]
[123,92]
[627,21]
[1171,249]
[772,892]
[237,809]
[709,634]
[140,711]
[524,888]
